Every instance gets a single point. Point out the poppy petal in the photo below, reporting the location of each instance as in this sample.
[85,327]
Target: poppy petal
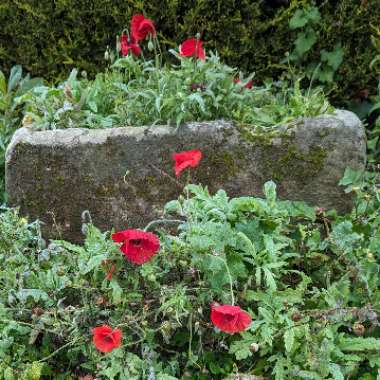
[106,339]
[230,319]
[138,246]
[183,160]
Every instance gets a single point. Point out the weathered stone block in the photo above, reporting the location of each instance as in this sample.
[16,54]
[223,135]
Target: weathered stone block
[124,176]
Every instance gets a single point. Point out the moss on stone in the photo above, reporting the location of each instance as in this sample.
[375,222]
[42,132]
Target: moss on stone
[260,136]
[296,164]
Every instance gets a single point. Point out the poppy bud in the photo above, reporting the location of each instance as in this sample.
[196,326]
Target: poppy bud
[319,211]
[37,311]
[359,329]
[193,86]
[106,55]
[296,317]
[150,45]
[254,347]
[67,92]
[99,301]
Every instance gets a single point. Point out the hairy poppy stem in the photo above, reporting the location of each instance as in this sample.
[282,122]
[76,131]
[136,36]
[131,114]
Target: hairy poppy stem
[162,221]
[179,185]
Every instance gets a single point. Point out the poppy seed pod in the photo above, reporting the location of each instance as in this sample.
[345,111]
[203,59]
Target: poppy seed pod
[358,329]
[254,347]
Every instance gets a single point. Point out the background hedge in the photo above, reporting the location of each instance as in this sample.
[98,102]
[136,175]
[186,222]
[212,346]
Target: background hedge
[50,37]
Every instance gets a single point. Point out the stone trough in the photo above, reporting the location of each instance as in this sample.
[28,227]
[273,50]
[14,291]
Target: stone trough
[124,176]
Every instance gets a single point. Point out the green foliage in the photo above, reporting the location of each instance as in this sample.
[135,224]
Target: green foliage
[254,35]
[138,92]
[309,279]
[10,110]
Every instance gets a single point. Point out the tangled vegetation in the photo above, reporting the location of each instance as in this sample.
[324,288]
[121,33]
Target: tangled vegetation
[137,92]
[308,278]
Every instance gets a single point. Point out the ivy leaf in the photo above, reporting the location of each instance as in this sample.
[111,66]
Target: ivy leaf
[313,15]
[298,20]
[333,58]
[302,17]
[305,41]
[325,74]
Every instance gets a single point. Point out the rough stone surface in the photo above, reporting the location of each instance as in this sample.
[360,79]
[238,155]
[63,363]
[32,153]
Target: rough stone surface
[124,176]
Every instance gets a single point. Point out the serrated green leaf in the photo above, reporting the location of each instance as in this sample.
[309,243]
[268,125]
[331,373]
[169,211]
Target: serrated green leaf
[336,371]
[359,344]
[289,339]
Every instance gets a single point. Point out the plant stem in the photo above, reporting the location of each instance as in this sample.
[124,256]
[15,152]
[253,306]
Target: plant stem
[229,277]
[162,221]
[58,350]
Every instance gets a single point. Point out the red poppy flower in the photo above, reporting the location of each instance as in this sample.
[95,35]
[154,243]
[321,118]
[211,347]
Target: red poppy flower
[230,319]
[248,85]
[183,160]
[105,339]
[141,27]
[192,48]
[126,44]
[138,246]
